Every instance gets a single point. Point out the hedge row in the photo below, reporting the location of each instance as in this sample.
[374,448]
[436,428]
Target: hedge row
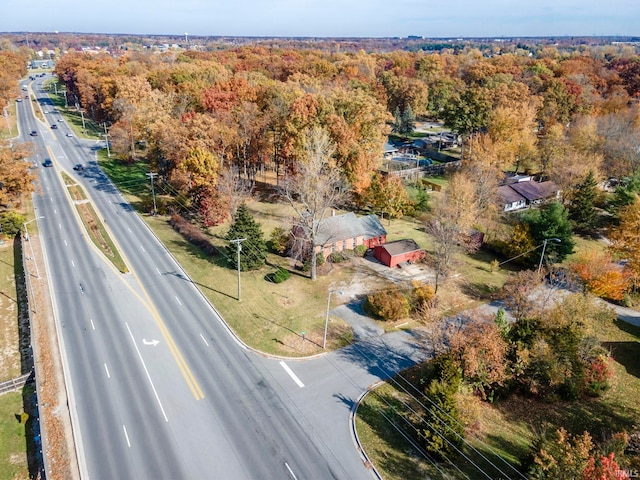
[192,234]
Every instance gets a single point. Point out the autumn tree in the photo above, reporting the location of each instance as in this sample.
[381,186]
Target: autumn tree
[313,190]
[16,180]
[386,194]
[601,275]
[559,456]
[451,220]
[253,253]
[480,350]
[626,240]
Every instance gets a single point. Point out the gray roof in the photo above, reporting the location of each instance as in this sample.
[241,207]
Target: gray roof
[535,190]
[342,227]
[509,195]
[388,148]
[400,246]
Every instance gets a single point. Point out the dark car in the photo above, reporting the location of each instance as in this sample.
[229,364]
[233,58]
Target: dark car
[78,167]
[33,133]
[54,126]
[47,163]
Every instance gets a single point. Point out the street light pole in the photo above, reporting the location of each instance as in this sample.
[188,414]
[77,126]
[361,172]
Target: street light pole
[544,247]
[326,320]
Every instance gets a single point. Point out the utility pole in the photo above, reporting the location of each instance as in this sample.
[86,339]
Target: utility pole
[84,130]
[544,247]
[238,242]
[151,176]
[106,139]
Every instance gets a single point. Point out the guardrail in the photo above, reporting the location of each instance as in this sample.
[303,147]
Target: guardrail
[16,383]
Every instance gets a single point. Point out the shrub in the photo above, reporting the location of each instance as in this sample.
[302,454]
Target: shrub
[360,250]
[444,435]
[192,234]
[11,223]
[279,275]
[336,257]
[388,305]
[597,375]
[278,240]
[424,294]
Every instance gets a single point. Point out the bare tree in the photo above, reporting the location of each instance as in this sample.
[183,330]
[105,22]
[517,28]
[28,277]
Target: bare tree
[234,188]
[451,222]
[314,189]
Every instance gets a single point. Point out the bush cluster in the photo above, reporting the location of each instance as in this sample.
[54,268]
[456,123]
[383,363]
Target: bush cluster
[11,223]
[388,305]
[360,250]
[279,275]
[192,234]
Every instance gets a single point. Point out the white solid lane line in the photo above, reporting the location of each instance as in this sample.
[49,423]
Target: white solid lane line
[290,471]
[126,436]
[147,372]
[291,374]
[204,340]
[107,370]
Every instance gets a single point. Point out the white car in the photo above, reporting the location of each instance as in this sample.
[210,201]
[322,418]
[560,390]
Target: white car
[69,134]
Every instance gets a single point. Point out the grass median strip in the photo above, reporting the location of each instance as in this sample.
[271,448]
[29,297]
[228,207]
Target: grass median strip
[98,233]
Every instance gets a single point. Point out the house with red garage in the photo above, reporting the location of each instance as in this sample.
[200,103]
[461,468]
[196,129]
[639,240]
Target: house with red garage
[394,253]
[346,232]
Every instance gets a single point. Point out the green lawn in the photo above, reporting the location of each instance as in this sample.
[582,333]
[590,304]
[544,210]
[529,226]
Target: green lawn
[9,335]
[13,440]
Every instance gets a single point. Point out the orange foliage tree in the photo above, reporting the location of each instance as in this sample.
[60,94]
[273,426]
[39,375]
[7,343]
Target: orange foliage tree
[601,275]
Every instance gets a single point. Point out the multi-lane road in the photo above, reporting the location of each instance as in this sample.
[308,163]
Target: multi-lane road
[159,387]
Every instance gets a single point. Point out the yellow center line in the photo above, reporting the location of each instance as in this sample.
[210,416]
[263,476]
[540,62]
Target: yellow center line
[175,351]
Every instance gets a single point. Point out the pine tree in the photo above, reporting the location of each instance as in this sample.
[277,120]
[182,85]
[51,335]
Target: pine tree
[397,121]
[582,210]
[407,120]
[254,248]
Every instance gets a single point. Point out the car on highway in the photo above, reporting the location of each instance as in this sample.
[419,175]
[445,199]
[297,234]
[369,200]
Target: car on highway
[78,167]
[33,133]
[18,99]
[54,126]
[46,111]
[69,134]
[47,163]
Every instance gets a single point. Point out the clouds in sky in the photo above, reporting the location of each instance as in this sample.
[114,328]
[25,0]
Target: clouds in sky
[327,18]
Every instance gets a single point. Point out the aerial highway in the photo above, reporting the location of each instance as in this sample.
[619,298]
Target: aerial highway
[159,387]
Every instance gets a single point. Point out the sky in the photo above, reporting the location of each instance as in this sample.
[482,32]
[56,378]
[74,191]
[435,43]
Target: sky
[326,18]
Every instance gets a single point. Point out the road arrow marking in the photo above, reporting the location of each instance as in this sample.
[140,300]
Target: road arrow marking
[152,342]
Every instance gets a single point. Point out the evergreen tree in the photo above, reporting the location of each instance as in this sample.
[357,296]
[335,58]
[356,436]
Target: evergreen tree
[254,248]
[397,121]
[551,221]
[408,120]
[582,210]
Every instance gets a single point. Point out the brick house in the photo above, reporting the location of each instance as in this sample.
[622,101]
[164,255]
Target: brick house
[394,253]
[346,232]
